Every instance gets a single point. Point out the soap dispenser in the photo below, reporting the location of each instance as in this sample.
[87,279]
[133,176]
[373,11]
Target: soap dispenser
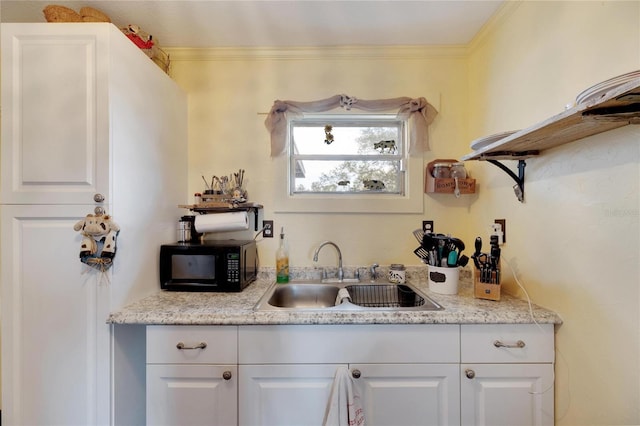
[282,260]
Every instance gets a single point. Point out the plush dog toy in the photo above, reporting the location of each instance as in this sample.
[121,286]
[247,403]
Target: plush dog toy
[97,229]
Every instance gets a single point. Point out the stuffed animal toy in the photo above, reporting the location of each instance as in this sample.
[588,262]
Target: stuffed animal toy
[98,246]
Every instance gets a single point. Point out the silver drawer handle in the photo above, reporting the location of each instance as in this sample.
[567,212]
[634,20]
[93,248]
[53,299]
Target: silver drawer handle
[518,344]
[181,346]
[356,374]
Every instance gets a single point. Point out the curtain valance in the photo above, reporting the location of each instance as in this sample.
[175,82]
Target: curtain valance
[419,112]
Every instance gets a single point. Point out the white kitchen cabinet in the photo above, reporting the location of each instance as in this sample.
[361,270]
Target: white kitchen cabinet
[192,395]
[192,376]
[87,121]
[409,394]
[284,394]
[507,375]
[404,374]
[391,394]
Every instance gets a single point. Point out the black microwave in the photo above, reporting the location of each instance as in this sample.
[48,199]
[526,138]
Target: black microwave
[217,266]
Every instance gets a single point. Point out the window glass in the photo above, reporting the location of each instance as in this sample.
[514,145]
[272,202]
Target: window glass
[348,155]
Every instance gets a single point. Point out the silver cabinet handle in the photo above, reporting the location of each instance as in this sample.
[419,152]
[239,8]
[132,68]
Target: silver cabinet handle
[99,210]
[182,346]
[356,374]
[98,198]
[518,344]
[226,375]
[469,373]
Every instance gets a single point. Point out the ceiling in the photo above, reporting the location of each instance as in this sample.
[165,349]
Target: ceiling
[252,23]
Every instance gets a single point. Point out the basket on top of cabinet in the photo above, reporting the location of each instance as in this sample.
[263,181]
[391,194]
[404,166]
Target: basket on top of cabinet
[446,185]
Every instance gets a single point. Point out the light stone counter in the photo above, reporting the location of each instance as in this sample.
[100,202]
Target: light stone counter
[193,308]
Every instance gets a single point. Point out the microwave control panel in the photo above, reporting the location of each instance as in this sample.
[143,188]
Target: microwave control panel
[233,267]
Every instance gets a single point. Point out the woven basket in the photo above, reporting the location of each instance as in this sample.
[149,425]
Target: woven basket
[55,13]
[89,14]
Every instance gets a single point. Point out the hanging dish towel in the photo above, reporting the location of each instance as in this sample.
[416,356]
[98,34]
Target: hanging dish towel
[344,407]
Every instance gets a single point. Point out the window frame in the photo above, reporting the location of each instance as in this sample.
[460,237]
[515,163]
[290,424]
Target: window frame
[409,199]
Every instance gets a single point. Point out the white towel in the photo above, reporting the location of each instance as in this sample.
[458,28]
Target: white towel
[344,407]
[343,293]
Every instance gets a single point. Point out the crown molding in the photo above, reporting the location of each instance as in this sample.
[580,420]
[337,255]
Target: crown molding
[315,53]
[507,8]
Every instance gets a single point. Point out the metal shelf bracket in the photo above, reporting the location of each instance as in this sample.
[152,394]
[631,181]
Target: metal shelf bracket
[518,188]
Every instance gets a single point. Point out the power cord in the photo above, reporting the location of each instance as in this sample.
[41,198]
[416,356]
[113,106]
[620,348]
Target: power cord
[260,232]
[533,318]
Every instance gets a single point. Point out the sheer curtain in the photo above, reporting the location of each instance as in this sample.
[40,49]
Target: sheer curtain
[420,113]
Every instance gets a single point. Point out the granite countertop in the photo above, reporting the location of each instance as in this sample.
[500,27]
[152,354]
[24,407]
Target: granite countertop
[193,308]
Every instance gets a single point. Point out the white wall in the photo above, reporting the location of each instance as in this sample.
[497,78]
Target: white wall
[575,241]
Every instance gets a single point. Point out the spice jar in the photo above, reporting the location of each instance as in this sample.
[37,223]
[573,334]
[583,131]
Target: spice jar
[441,170]
[458,171]
[397,273]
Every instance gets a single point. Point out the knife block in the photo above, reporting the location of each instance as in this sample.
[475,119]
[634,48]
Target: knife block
[485,290]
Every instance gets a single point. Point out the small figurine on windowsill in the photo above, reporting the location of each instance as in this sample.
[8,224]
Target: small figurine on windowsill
[328,137]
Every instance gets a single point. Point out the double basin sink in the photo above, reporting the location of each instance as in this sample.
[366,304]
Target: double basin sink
[334,295]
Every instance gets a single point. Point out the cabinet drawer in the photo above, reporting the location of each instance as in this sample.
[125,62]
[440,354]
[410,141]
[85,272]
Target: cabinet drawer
[507,343]
[378,343]
[183,344]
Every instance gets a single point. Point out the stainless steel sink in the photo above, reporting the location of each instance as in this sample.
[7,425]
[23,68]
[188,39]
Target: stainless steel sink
[303,296]
[318,295]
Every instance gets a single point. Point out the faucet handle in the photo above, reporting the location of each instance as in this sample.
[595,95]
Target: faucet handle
[374,274]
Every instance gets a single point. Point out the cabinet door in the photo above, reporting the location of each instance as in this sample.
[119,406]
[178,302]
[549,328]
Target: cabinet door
[284,395]
[185,395]
[55,342]
[54,114]
[409,394]
[507,394]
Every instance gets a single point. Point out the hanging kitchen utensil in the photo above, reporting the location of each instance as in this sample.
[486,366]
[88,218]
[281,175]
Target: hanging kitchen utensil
[419,234]
[422,254]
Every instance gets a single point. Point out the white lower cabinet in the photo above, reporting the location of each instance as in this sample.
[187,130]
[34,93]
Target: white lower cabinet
[416,374]
[409,394]
[404,374]
[192,395]
[284,395]
[391,394]
[507,394]
[507,375]
[192,375]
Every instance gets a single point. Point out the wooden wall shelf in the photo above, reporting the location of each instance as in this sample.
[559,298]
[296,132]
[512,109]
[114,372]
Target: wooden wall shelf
[616,108]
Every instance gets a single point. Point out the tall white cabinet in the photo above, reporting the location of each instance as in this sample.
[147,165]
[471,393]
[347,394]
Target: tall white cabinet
[87,121]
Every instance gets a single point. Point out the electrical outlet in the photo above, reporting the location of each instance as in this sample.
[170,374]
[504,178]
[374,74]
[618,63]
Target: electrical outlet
[268,228]
[427,226]
[503,230]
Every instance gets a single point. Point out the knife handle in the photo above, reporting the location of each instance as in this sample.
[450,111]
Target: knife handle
[478,245]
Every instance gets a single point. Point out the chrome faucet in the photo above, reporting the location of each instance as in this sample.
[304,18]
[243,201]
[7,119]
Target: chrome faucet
[315,257]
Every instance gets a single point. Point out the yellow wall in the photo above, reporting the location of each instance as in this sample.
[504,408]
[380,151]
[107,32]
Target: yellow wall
[575,242]
[228,89]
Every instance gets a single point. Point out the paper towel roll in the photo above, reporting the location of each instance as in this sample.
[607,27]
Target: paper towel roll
[221,222]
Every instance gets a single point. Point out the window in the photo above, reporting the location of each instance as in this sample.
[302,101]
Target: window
[349,163]
[347,155]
